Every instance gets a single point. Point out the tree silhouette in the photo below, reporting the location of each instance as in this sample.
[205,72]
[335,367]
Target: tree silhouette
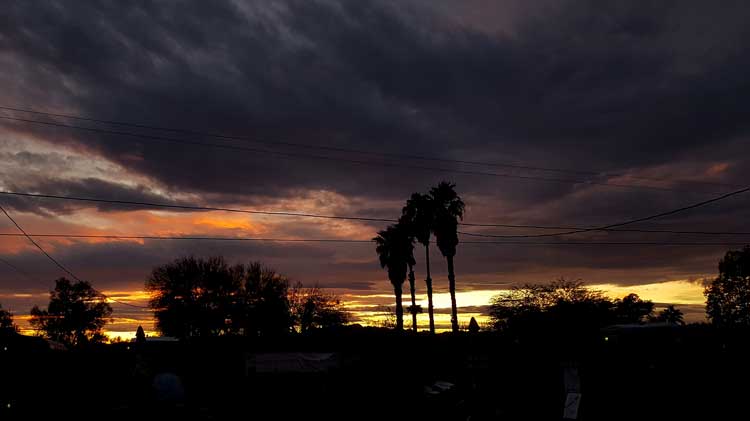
[473,326]
[312,308]
[420,214]
[395,250]
[140,335]
[449,208]
[75,315]
[206,297]
[671,315]
[264,302]
[562,300]
[563,308]
[6,321]
[631,309]
[728,296]
[193,296]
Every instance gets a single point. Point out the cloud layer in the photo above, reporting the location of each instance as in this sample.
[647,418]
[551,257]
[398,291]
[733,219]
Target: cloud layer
[629,94]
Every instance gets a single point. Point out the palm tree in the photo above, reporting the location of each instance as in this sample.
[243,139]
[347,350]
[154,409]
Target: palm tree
[414,309]
[420,216]
[448,209]
[395,251]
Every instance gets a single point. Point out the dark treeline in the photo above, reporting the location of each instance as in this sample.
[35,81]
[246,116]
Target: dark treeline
[194,297]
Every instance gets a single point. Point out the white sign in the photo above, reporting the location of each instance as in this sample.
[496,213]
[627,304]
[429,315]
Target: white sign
[572,402]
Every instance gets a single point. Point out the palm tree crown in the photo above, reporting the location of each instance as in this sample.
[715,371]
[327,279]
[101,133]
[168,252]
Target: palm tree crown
[420,216]
[448,208]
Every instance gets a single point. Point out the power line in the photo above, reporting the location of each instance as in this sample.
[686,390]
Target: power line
[357,218]
[350,241]
[159,237]
[632,221]
[57,263]
[360,151]
[647,231]
[330,158]
[196,208]
[564,227]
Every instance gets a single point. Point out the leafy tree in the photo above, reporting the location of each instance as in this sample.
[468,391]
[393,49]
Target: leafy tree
[207,297]
[728,296]
[193,296]
[448,209]
[568,304]
[313,308]
[395,251]
[631,309]
[6,321]
[563,307]
[75,315]
[671,315]
[264,302]
[419,214]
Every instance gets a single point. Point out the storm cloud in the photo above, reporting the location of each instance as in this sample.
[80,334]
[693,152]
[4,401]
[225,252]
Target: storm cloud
[631,94]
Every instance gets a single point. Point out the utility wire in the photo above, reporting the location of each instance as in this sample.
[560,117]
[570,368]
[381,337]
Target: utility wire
[350,241]
[360,151]
[624,230]
[629,222]
[611,227]
[558,228]
[57,263]
[330,158]
[195,208]
[159,237]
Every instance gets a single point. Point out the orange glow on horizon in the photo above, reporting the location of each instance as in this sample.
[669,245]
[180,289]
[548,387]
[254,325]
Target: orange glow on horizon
[370,309]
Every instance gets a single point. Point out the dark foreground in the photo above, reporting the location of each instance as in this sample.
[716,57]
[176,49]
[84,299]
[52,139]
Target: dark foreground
[635,374]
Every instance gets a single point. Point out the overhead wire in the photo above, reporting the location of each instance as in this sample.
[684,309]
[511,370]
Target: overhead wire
[610,227]
[401,156]
[363,241]
[341,159]
[58,264]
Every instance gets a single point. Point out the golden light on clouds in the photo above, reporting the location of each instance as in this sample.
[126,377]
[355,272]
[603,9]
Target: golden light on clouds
[672,292]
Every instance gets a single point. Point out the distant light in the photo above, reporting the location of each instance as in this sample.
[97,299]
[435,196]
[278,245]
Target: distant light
[606,338]
[5,348]
[128,348]
[8,405]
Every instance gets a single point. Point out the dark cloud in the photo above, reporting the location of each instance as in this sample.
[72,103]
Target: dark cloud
[83,188]
[647,90]
[619,84]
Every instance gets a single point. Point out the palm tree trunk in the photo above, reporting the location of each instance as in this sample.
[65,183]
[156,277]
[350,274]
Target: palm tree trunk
[452,288]
[428,281]
[397,289]
[413,300]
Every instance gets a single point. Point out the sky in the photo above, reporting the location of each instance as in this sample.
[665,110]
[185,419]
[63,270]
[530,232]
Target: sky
[588,113]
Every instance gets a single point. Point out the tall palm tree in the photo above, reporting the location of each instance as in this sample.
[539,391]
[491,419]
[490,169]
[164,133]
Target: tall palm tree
[448,209]
[414,309]
[419,212]
[395,251]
